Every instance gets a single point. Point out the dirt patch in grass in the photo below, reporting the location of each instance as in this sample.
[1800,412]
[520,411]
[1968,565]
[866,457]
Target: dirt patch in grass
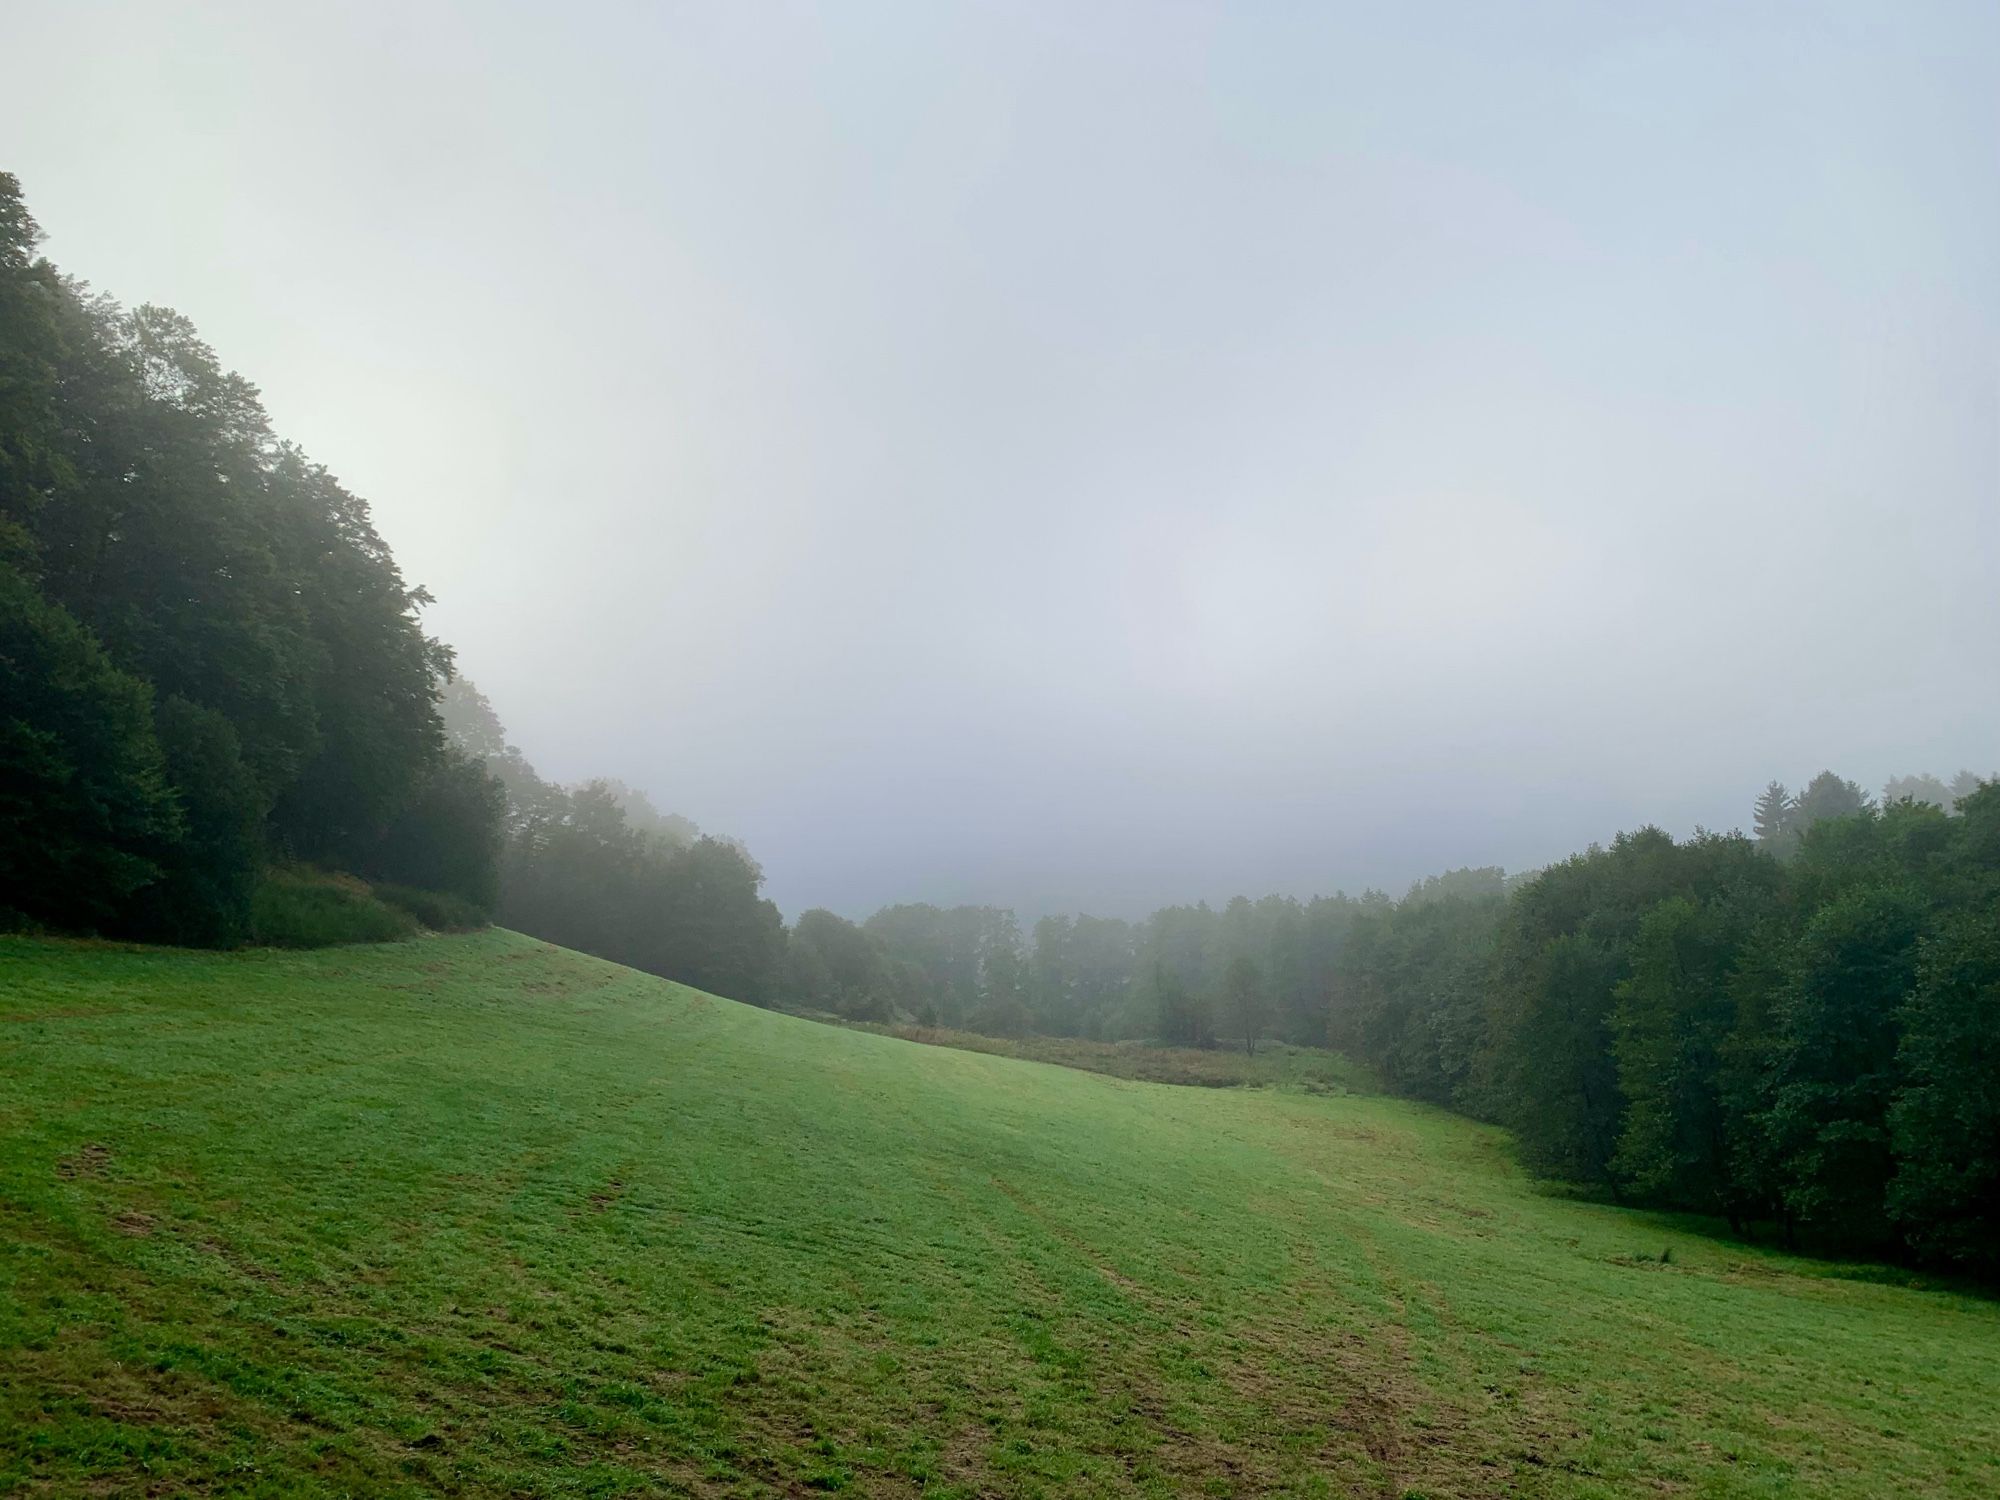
[91,1161]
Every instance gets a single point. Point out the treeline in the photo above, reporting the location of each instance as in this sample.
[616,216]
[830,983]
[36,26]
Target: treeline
[1811,1042]
[1800,1030]
[209,661]
[598,868]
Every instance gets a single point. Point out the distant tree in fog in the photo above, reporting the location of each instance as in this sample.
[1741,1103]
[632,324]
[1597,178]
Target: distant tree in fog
[1773,817]
[671,829]
[1964,784]
[1828,796]
[1245,1010]
[1183,1018]
[474,729]
[1923,787]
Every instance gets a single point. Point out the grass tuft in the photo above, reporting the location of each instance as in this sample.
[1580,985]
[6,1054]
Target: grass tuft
[437,910]
[300,908]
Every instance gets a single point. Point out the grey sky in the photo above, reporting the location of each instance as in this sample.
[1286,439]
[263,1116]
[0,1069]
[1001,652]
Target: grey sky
[1093,455]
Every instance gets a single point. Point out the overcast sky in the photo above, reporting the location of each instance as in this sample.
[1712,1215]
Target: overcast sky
[1090,455]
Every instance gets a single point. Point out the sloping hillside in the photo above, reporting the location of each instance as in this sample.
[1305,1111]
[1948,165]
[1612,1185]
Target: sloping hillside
[477,1215]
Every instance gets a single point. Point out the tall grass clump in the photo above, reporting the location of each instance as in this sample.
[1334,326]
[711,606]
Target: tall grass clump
[311,909]
[438,910]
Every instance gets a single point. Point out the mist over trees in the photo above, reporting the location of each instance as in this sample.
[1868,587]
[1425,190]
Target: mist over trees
[597,867]
[211,666]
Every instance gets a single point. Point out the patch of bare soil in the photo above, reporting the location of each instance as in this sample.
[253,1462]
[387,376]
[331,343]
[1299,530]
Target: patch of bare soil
[88,1162]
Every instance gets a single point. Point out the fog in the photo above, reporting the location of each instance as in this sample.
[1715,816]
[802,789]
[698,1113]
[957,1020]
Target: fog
[1082,457]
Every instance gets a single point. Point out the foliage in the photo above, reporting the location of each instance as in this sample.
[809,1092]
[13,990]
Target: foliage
[1945,1122]
[440,911]
[84,798]
[833,966]
[209,873]
[301,908]
[1245,1010]
[161,544]
[450,836]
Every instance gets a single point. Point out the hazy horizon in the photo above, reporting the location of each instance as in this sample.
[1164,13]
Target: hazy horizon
[1093,460]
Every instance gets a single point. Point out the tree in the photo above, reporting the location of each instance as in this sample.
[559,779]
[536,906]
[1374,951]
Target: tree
[1684,1128]
[85,806]
[1773,818]
[1836,1060]
[1562,1093]
[1963,785]
[1182,1017]
[375,676]
[1563,949]
[1412,980]
[670,829]
[1244,1006]
[833,965]
[1920,788]
[33,466]
[716,930]
[1828,796]
[450,836]
[1945,1122]
[208,870]
[473,728]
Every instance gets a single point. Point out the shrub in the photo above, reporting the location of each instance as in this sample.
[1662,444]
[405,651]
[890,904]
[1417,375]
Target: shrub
[438,910]
[309,909]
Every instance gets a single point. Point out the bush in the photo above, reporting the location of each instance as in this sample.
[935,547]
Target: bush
[437,910]
[308,909]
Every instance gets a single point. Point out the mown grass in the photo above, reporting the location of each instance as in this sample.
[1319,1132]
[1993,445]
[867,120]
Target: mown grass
[1273,1063]
[473,1215]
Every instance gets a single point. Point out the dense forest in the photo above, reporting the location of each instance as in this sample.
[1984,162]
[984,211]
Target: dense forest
[221,720]
[209,661]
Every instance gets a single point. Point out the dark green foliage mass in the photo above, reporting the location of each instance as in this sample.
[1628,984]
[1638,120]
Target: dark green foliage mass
[84,799]
[304,908]
[209,873]
[449,835]
[212,658]
[1945,1121]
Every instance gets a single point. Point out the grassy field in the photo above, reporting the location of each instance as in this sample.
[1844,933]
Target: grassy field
[474,1215]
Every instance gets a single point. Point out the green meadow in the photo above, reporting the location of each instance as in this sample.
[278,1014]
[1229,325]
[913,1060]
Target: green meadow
[476,1215]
